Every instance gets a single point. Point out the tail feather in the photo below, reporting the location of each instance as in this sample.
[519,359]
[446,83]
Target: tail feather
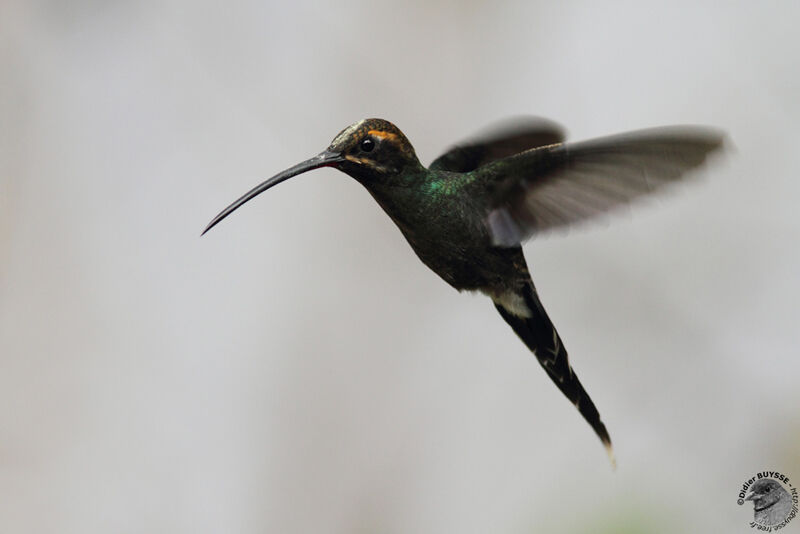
[524,312]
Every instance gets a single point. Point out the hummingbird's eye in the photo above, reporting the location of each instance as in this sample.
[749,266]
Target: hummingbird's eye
[367,144]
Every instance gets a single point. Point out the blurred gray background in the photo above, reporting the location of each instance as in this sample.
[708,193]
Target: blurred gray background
[298,369]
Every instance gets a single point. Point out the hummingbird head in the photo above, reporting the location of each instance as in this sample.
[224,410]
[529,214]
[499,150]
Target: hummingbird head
[371,151]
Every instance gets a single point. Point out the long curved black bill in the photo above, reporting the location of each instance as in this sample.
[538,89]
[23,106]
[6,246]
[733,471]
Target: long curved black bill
[324,159]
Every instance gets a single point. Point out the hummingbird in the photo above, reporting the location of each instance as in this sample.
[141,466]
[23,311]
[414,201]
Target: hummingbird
[467,214]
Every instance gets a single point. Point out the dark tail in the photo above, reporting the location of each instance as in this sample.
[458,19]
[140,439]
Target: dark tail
[526,315]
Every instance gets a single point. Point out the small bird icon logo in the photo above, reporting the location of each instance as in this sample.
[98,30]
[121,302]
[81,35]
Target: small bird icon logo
[771,502]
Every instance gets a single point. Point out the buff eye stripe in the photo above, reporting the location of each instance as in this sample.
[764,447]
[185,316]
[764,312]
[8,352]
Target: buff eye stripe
[383,135]
[366,161]
[354,159]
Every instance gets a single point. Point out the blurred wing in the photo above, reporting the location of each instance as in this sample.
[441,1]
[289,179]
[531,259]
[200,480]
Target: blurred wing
[557,186]
[499,141]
